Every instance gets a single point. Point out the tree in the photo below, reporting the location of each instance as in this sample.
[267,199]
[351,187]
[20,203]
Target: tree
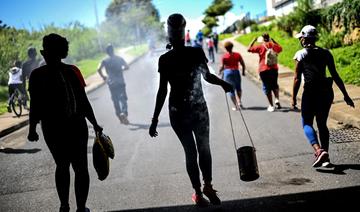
[131,20]
[217,8]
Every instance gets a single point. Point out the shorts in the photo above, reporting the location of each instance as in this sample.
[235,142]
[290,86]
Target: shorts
[233,77]
[270,80]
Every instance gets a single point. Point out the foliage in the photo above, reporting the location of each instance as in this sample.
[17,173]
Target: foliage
[217,8]
[347,11]
[245,22]
[131,21]
[330,41]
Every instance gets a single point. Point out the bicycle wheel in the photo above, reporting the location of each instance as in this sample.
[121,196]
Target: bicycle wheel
[16,103]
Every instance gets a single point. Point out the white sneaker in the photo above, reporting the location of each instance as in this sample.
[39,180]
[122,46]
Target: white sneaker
[270,108]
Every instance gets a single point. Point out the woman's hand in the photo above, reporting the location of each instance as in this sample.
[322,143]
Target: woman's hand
[152,129]
[227,87]
[98,129]
[349,101]
[33,136]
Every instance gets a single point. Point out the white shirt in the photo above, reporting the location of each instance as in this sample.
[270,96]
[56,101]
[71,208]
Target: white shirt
[15,76]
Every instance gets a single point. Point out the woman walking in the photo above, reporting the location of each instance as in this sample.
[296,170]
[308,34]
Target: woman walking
[182,67]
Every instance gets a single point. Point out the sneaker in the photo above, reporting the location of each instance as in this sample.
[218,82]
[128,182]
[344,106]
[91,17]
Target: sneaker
[321,156]
[199,200]
[277,104]
[327,164]
[9,109]
[123,119]
[271,108]
[211,194]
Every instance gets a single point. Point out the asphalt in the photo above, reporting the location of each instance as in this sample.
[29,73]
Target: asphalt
[340,112]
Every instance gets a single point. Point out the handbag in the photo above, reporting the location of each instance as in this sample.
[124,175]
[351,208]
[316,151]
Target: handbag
[102,150]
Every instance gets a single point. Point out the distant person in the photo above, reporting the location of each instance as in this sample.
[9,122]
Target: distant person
[216,41]
[29,65]
[59,102]
[268,69]
[188,38]
[15,82]
[182,68]
[318,95]
[230,71]
[210,47]
[200,37]
[115,66]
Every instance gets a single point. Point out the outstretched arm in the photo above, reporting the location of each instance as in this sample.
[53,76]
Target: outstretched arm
[252,43]
[99,70]
[242,63]
[296,84]
[338,80]
[211,78]
[160,99]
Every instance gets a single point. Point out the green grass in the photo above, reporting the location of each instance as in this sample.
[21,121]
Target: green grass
[3,99]
[89,66]
[224,36]
[137,50]
[346,58]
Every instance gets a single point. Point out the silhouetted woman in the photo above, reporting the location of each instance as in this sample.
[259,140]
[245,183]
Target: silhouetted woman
[59,103]
[182,68]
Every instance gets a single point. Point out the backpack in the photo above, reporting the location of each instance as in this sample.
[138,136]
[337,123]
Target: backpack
[270,56]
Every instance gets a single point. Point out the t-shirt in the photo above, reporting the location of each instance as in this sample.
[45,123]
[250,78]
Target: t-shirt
[231,61]
[29,66]
[181,68]
[114,67]
[312,64]
[15,75]
[261,50]
[187,37]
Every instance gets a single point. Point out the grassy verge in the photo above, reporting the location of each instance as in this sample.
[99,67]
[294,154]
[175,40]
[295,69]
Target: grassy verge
[3,99]
[137,50]
[89,66]
[346,58]
[224,36]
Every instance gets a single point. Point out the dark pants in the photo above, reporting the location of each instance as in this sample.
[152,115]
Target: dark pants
[67,142]
[187,123]
[20,87]
[119,98]
[270,80]
[316,105]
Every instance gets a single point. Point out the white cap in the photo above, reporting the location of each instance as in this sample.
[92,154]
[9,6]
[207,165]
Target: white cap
[307,31]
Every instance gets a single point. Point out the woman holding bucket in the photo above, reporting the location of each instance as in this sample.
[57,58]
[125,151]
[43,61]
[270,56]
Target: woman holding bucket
[182,68]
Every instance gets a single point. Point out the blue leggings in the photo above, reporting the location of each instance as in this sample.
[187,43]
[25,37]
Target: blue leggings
[316,105]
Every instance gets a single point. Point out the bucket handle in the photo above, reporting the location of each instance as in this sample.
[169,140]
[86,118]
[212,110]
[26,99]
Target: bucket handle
[232,128]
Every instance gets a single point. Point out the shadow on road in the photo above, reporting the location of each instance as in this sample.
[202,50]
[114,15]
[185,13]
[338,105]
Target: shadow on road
[335,199]
[19,151]
[339,168]
[135,126]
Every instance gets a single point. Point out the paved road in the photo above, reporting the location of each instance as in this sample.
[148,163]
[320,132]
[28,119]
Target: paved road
[149,173]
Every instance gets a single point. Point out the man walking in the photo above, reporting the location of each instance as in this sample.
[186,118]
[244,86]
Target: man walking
[114,66]
[268,68]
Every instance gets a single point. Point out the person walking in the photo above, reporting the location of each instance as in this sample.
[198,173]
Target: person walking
[318,95]
[216,41]
[229,71]
[59,102]
[29,65]
[268,68]
[115,66]
[188,38]
[182,67]
[210,47]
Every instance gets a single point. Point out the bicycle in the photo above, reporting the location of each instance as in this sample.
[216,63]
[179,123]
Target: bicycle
[16,102]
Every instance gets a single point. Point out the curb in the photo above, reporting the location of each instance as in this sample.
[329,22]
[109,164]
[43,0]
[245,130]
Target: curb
[24,123]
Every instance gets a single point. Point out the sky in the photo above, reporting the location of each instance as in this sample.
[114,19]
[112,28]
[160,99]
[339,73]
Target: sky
[37,13]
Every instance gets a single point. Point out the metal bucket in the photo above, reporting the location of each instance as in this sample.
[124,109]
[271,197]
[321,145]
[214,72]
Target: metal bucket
[248,167]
